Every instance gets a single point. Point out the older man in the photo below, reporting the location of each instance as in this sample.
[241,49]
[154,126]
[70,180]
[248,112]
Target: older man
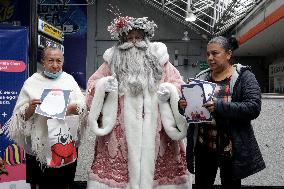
[133,100]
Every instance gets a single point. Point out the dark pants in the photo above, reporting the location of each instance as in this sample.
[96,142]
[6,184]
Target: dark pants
[49,178]
[206,166]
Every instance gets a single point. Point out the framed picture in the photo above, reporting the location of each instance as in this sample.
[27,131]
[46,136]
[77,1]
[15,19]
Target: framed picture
[197,93]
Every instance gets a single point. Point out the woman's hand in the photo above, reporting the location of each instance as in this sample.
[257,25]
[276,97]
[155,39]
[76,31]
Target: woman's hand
[31,108]
[210,106]
[182,103]
[72,109]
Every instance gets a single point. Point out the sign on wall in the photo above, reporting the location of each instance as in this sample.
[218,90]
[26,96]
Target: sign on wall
[50,30]
[203,65]
[276,69]
[276,77]
[45,42]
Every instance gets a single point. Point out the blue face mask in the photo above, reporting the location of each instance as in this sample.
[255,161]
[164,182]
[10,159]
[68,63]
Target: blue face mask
[52,75]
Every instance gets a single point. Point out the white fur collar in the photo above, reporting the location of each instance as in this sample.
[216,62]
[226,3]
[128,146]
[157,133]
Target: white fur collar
[158,49]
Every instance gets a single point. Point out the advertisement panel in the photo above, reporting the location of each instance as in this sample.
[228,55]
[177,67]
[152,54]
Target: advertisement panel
[276,76]
[15,12]
[45,42]
[13,73]
[50,30]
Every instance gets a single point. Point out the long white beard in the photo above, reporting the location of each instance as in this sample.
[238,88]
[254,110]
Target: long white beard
[136,68]
[53,103]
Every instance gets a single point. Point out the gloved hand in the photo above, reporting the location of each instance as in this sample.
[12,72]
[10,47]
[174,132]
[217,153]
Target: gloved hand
[163,94]
[111,84]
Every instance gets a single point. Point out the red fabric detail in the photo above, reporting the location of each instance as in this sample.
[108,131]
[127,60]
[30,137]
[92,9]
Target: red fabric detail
[66,153]
[171,157]
[110,164]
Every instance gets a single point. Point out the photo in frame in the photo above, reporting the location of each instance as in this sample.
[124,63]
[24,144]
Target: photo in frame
[197,93]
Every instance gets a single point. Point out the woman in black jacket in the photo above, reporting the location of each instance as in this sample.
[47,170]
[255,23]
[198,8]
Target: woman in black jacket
[228,142]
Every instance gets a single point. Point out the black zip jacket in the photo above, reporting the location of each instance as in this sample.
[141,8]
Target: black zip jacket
[235,117]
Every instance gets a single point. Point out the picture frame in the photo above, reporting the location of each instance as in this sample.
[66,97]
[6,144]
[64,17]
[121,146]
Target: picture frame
[197,93]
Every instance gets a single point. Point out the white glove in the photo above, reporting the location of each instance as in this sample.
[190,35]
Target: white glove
[163,94]
[111,84]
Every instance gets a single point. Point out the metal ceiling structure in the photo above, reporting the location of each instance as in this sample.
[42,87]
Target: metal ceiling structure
[213,17]
[66,2]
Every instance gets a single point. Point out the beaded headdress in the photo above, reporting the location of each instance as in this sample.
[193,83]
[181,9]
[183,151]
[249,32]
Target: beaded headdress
[124,24]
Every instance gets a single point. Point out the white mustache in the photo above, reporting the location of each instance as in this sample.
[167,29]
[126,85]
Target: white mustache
[128,45]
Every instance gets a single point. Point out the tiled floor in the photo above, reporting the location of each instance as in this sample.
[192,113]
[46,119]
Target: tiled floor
[83,184]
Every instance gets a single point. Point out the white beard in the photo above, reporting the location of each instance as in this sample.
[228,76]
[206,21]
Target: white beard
[53,103]
[136,68]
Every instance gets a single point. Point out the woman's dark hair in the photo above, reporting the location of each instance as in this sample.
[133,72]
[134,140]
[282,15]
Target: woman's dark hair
[230,43]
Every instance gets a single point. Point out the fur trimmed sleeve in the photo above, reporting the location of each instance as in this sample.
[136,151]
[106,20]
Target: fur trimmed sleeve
[173,122]
[172,75]
[160,50]
[103,71]
[18,127]
[108,54]
[78,98]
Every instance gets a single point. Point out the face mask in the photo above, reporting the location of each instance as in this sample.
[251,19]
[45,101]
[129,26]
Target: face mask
[52,75]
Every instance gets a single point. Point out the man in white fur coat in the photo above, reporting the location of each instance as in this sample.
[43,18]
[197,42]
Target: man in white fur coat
[133,100]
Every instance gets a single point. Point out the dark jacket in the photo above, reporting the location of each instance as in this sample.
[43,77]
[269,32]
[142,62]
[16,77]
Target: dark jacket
[235,117]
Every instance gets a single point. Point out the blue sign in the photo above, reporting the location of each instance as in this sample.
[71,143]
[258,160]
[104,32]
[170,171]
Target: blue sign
[13,73]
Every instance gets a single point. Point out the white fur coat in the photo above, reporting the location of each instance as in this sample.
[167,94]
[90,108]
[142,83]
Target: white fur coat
[135,131]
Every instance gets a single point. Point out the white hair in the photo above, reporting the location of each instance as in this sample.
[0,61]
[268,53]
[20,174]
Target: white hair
[136,67]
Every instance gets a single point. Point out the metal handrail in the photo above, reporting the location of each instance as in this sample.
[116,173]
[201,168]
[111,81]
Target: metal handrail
[217,15]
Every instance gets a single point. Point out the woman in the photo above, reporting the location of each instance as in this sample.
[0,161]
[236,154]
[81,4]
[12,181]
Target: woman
[228,142]
[31,130]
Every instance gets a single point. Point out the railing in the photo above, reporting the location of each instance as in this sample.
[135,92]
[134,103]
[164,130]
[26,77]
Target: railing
[214,17]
